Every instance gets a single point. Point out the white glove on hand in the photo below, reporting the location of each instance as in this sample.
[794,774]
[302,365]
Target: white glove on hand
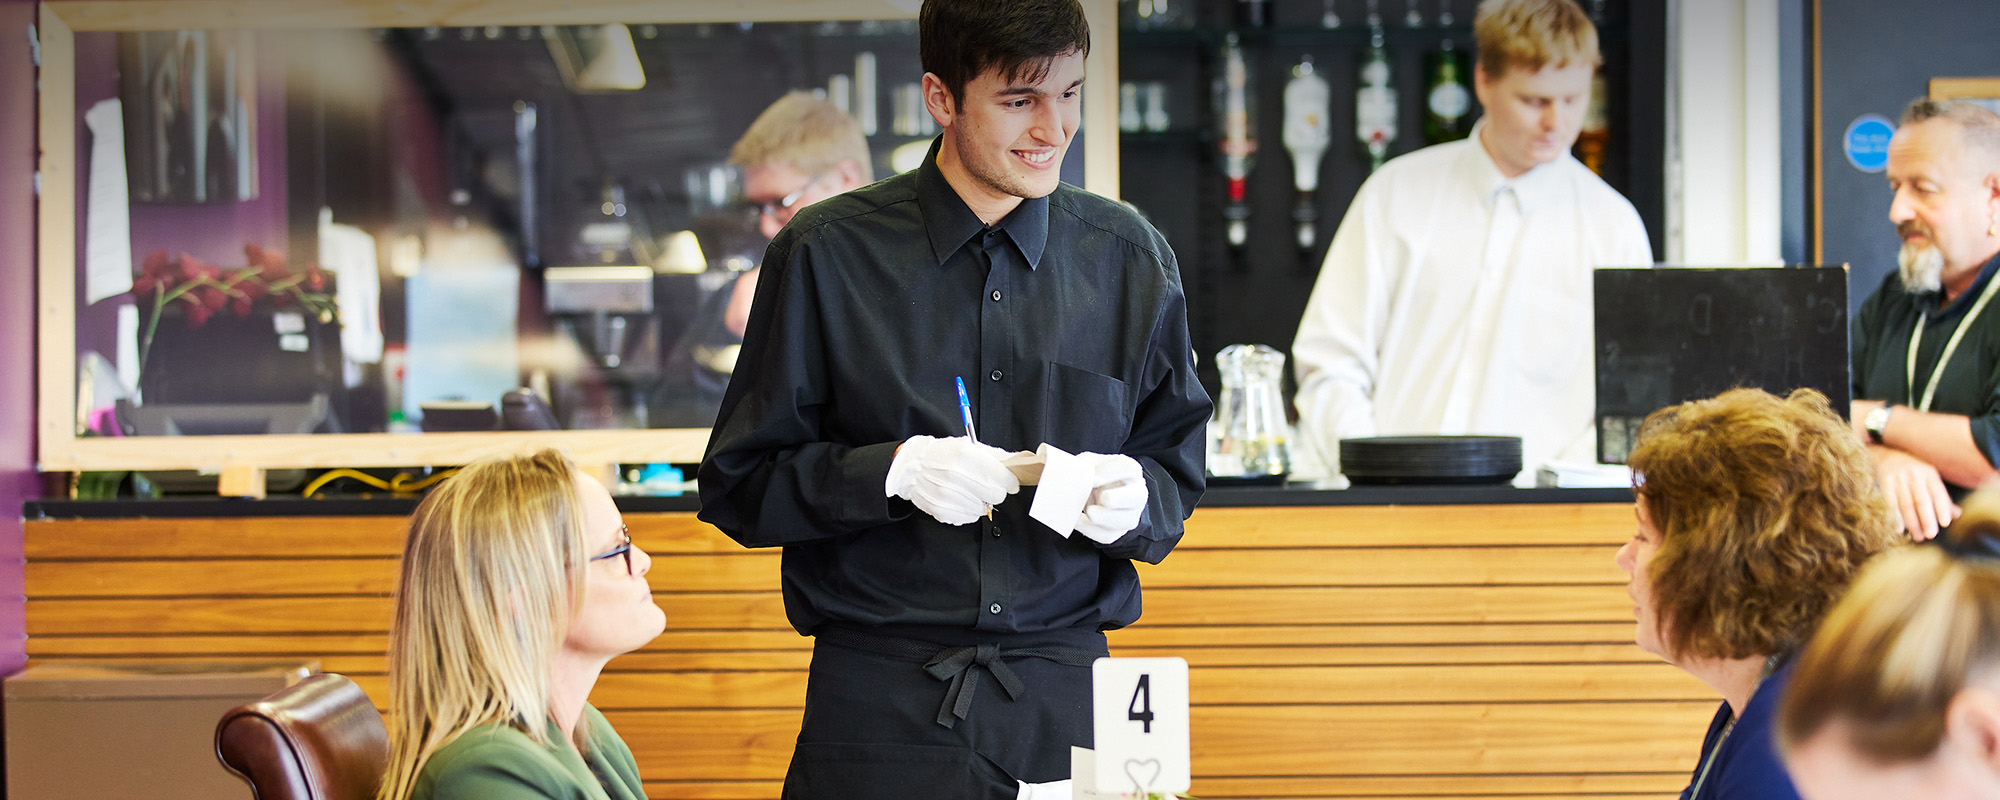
[954,480]
[1117,502]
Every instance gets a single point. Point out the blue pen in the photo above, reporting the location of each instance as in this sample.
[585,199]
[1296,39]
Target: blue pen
[965,409]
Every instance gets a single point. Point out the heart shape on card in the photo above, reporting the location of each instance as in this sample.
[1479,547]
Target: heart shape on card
[1143,773]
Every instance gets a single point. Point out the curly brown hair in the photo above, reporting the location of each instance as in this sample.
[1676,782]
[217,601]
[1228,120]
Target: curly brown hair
[1765,507]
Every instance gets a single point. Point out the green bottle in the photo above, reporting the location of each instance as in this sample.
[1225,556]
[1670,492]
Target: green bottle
[1375,102]
[1447,96]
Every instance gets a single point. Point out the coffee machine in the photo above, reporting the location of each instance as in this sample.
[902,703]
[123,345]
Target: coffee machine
[606,313]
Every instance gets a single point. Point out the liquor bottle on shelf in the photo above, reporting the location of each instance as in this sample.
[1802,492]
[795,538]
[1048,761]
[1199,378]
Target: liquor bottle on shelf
[1413,18]
[1129,120]
[1328,17]
[1447,98]
[1233,95]
[1444,14]
[1308,131]
[1596,133]
[1146,15]
[1375,99]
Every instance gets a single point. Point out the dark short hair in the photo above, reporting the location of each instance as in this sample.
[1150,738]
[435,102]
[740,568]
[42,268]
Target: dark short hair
[961,39]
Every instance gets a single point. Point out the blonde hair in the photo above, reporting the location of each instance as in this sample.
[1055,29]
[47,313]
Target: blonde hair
[493,570]
[1532,34]
[805,133]
[1920,624]
[1766,509]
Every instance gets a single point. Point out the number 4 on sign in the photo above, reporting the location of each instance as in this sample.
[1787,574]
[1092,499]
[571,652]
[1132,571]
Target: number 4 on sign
[1141,724]
[1142,703]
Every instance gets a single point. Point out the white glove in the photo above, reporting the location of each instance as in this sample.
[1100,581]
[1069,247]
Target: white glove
[955,480]
[1118,500]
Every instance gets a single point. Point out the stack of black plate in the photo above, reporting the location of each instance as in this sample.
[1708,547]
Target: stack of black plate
[1430,459]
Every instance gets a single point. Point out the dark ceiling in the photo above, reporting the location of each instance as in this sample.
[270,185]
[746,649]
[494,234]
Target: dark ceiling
[704,85]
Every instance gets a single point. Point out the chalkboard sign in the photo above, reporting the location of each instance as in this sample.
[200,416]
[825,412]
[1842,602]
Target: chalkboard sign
[1666,335]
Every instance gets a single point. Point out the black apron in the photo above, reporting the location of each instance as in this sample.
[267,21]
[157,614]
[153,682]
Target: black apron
[886,714]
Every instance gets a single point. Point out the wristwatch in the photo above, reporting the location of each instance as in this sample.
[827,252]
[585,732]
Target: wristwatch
[1877,419]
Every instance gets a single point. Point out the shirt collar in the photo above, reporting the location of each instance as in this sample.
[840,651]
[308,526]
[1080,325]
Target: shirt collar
[1532,189]
[949,222]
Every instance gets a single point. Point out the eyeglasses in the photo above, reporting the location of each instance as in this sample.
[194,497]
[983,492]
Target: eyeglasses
[772,208]
[624,549]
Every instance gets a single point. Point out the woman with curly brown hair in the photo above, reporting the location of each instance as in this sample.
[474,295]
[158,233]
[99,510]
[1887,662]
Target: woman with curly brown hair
[1754,514]
[1898,694]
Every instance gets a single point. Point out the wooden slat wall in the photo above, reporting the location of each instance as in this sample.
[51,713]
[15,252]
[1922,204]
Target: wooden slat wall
[1337,652]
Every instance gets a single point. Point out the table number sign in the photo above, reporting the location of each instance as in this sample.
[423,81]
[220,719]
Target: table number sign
[1140,717]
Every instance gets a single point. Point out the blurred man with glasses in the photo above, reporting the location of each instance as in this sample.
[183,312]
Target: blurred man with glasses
[800,151]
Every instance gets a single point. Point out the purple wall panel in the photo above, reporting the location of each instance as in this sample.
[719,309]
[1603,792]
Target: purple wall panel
[212,232]
[17,315]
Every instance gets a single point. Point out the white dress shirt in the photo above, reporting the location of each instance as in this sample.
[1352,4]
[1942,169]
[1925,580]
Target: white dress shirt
[1456,300]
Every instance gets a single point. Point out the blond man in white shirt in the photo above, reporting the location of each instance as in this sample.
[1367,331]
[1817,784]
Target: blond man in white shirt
[1456,295]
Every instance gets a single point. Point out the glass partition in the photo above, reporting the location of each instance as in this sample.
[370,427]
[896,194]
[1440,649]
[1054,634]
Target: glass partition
[358,221]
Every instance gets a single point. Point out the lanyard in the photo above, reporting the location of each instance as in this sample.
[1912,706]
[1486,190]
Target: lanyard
[1770,666]
[1950,346]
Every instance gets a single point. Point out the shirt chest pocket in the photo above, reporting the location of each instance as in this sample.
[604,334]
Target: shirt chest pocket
[1084,411]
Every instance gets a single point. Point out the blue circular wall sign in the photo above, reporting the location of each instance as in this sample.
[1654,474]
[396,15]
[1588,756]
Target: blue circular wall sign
[1867,142]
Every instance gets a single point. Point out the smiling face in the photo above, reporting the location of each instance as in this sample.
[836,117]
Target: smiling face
[618,614]
[1634,558]
[1945,200]
[1005,140]
[1532,117]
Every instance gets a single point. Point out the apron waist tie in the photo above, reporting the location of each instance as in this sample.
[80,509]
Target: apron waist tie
[956,664]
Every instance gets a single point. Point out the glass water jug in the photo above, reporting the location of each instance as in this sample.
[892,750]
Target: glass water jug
[1249,436]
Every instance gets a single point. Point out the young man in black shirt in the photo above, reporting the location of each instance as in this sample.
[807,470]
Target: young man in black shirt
[953,633]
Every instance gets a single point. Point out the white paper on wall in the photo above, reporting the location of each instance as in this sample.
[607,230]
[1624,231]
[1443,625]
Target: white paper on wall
[107,244]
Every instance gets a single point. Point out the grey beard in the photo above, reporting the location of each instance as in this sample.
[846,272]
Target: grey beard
[1922,268]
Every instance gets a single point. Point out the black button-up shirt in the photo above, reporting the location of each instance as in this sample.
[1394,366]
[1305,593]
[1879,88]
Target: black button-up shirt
[1970,383]
[1067,321]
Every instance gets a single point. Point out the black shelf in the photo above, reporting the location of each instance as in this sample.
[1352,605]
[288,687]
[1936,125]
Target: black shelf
[1287,36]
[1172,137]
[1216,497]
[1256,293]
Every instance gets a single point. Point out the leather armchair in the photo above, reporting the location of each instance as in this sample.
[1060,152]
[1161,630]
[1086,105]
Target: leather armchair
[320,739]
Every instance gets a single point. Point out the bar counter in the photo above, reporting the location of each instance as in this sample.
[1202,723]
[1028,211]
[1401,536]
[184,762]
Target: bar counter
[1381,642]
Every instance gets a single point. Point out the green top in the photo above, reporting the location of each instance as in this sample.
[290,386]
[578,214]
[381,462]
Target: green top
[499,762]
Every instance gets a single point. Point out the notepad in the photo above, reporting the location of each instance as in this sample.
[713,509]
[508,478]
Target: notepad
[1062,484]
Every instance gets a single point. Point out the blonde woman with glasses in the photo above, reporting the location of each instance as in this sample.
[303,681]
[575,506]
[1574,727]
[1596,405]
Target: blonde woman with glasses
[519,584]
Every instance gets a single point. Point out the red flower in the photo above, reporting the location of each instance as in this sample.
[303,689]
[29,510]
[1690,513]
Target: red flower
[198,314]
[196,270]
[152,273]
[209,297]
[268,263]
